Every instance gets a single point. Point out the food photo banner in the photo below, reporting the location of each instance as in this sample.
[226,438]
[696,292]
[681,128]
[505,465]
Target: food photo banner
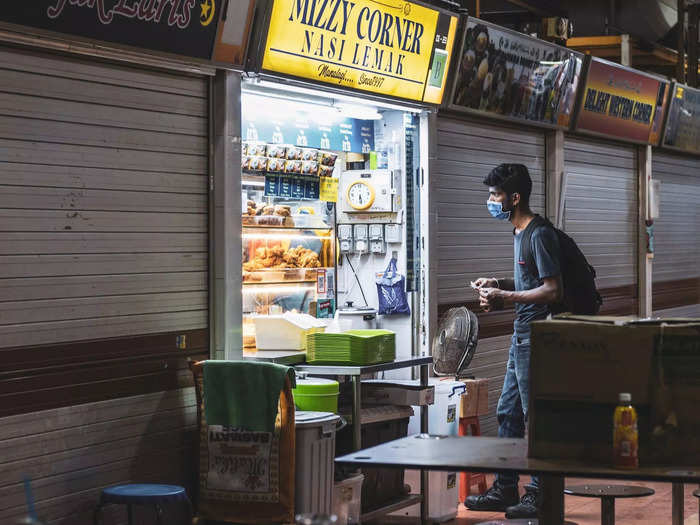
[683,123]
[506,74]
[622,103]
[395,48]
[185,27]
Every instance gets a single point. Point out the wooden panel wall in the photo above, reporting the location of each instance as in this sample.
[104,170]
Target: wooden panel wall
[103,264]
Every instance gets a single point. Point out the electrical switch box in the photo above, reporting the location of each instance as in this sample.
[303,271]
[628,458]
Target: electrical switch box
[377,247]
[345,238]
[392,233]
[376,232]
[360,233]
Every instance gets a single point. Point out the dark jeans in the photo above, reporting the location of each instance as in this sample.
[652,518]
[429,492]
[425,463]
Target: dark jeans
[513,403]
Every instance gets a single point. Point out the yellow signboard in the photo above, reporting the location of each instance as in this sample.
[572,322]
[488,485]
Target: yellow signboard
[387,47]
[329,189]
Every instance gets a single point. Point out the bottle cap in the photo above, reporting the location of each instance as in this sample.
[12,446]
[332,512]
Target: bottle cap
[625,397]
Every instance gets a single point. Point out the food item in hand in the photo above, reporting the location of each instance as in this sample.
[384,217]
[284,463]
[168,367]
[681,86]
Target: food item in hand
[328,159]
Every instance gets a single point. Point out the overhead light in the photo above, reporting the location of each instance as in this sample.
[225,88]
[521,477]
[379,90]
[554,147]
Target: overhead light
[358,111]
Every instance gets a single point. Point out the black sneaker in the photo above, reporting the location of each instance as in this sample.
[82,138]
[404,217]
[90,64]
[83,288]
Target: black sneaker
[495,499]
[527,508]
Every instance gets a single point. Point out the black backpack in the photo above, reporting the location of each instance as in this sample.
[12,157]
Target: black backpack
[580,294]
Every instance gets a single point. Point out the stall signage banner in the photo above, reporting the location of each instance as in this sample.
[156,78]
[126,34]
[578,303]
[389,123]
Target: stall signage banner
[622,103]
[279,122]
[683,123]
[508,74]
[184,27]
[391,47]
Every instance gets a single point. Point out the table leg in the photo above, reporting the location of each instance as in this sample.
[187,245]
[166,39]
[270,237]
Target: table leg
[677,497]
[607,511]
[356,408]
[552,499]
[424,474]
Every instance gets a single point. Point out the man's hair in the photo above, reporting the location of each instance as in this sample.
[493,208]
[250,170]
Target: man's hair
[511,178]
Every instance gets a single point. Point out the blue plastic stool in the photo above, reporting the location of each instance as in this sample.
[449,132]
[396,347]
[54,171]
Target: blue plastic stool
[142,494]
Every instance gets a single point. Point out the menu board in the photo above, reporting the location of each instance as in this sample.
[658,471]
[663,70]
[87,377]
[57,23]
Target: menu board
[683,123]
[401,50]
[622,103]
[503,73]
[279,121]
[184,27]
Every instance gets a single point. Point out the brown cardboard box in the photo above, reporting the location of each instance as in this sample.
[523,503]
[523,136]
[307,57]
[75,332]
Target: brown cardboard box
[578,367]
[475,401]
[381,392]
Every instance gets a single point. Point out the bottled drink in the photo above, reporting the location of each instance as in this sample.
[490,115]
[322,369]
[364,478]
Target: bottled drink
[625,435]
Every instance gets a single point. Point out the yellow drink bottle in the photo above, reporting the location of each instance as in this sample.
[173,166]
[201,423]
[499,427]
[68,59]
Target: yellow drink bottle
[625,434]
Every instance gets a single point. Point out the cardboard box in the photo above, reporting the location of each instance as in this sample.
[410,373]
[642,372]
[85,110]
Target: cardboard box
[380,392]
[475,401]
[578,367]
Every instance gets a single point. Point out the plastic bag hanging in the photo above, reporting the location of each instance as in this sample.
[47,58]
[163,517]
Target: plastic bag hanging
[391,291]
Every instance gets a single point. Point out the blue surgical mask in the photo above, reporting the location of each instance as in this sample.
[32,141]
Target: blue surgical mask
[496,210]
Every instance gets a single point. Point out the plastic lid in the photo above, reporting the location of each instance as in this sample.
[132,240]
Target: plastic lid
[311,418]
[316,385]
[625,397]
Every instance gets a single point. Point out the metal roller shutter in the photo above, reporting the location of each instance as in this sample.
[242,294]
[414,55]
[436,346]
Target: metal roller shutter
[601,215]
[675,270]
[472,244]
[103,200]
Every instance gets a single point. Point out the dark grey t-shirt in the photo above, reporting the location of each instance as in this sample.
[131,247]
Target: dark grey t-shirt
[544,246]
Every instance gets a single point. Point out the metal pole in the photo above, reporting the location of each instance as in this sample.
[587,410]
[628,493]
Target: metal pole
[677,496]
[607,510]
[356,411]
[424,474]
[680,69]
[693,21]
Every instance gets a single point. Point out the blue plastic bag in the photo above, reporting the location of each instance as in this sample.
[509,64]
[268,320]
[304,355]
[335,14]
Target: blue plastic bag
[391,290]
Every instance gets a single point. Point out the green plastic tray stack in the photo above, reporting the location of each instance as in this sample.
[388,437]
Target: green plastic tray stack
[353,347]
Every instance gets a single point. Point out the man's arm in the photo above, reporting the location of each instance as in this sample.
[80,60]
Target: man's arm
[549,292]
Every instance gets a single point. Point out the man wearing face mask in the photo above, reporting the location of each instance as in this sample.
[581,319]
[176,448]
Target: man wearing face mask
[509,194]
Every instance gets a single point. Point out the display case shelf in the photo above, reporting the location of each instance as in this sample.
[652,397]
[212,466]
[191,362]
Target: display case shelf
[281,276]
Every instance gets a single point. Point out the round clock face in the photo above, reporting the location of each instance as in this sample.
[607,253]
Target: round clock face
[360,195]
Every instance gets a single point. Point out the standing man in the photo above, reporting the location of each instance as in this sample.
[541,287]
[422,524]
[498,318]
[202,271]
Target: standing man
[509,195]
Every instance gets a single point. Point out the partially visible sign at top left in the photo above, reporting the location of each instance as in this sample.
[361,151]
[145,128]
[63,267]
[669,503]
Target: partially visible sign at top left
[183,27]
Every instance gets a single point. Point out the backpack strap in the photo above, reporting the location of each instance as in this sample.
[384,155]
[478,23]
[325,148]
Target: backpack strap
[526,243]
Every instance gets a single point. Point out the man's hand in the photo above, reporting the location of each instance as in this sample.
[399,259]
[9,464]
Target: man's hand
[485,282]
[491,299]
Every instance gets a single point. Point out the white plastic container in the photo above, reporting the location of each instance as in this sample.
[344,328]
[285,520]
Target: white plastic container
[315,452]
[284,332]
[347,500]
[443,419]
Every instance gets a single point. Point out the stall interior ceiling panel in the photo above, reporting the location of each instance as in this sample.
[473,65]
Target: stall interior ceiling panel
[471,243]
[103,200]
[601,208]
[675,269]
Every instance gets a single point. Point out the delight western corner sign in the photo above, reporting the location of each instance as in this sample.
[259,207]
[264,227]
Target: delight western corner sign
[394,48]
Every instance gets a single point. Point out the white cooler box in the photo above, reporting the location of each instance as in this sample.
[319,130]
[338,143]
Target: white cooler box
[315,453]
[443,419]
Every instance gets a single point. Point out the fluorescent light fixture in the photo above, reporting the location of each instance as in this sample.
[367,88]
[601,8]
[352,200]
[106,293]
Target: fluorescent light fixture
[282,236]
[263,288]
[358,111]
[264,86]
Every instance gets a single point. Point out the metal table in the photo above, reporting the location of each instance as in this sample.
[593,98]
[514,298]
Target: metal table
[484,454]
[355,372]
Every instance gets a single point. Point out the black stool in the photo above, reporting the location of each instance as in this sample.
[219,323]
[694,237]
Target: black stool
[142,494]
[607,495]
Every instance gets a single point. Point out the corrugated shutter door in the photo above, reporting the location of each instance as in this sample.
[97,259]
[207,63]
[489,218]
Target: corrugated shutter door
[103,200]
[601,215]
[676,273]
[471,243]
